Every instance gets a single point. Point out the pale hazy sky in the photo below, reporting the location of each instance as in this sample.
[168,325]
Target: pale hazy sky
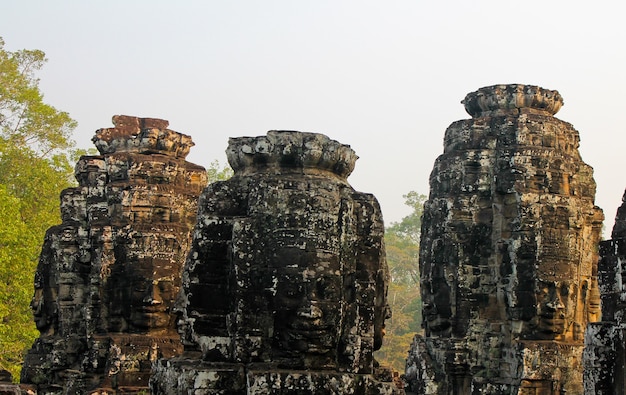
[385,77]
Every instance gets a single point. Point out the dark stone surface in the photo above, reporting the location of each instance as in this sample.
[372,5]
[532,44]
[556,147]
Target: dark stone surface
[508,252]
[109,273]
[605,353]
[6,384]
[285,286]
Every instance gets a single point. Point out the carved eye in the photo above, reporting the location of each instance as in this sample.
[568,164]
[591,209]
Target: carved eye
[166,286]
[326,289]
[140,288]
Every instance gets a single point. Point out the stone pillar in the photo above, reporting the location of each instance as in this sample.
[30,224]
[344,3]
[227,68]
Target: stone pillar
[508,254]
[284,290]
[605,351]
[108,275]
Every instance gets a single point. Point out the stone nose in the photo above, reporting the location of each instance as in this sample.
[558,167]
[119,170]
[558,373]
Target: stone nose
[310,312]
[153,296]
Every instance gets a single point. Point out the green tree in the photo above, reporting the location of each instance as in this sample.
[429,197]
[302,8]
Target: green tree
[217,172]
[402,245]
[35,155]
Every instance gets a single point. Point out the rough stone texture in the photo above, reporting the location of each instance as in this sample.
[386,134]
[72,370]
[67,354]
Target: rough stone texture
[508,252]
[605,351]
[6,384]
[109,274]
[284,290]
[604,359]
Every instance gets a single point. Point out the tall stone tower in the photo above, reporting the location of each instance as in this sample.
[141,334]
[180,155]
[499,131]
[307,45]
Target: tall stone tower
[284,290]
[109,273]
[508,255]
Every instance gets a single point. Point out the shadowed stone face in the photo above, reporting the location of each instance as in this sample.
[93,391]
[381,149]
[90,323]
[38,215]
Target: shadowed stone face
[287,273]
[301,279]
[145,280]
[143,295]
[310,309]
[437,305]
[151,300]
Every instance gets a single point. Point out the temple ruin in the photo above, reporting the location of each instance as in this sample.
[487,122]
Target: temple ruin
[275,281]
[284,290]
[508,257]
[108,275]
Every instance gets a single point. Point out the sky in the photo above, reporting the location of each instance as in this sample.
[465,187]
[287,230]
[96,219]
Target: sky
[385,77]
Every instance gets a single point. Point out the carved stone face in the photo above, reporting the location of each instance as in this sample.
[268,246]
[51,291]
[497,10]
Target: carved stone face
[381,314]
[59,251]
[43,312]
[594,311]
[310,300]
[436,308]
[146,293]
[436,297]
[151,300]
[555,306]
[308,319]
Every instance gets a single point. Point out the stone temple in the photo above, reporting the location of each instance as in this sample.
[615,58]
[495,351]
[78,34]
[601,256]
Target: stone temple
[508,258]
[284,290]
[108,275]
[275,281]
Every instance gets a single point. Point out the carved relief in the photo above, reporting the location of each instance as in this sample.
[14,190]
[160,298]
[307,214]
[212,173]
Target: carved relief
[508,258]
[285,284]
[108,275]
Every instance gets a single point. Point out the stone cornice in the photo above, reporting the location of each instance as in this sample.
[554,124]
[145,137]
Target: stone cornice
[284,151]
[512,99]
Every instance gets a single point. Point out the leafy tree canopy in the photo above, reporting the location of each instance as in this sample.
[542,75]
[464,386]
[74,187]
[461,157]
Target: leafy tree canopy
[35,154]
[217,172]
[402,245]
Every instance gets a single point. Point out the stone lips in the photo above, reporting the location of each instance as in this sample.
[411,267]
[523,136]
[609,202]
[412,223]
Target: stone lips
[501,99]
[290,150]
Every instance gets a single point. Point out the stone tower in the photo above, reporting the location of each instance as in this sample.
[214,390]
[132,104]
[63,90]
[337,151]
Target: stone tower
[284,290]
[109,274]
[605,342]
[508,254]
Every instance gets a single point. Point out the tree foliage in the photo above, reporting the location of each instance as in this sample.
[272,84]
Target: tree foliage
[402,244]
[217,172]
[35,155]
